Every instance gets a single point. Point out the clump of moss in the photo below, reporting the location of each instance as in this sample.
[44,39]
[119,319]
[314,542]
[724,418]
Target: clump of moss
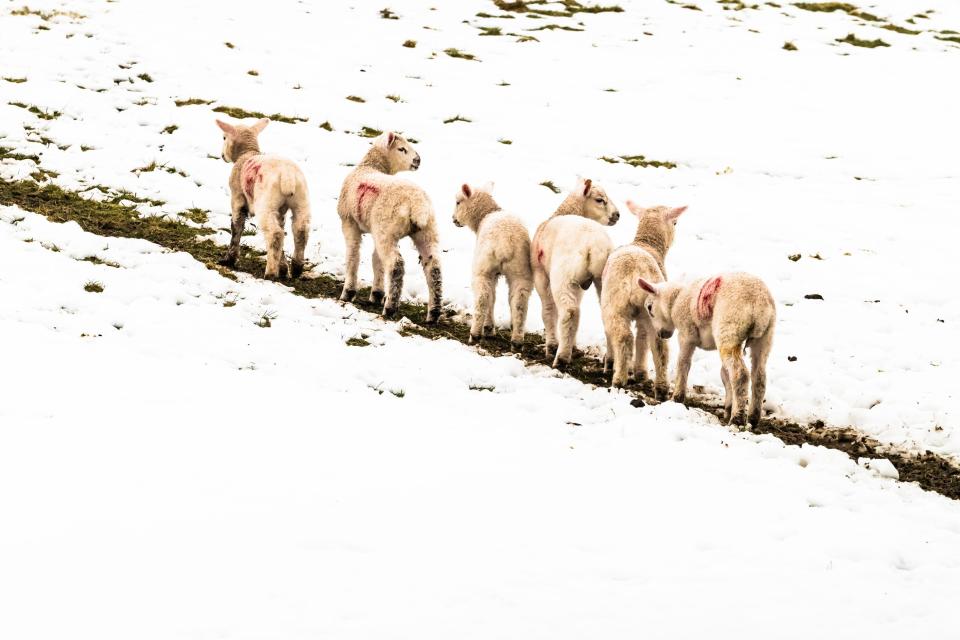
[170,128]
[857,42]
[357,342]
[387,14]
[456,118]
[463,55]
[43,114]
[253,72]
[355,99]
[145,77]
[93,286]
[549,185]
[410,44]
[326,126]
[789,46]
[238,113]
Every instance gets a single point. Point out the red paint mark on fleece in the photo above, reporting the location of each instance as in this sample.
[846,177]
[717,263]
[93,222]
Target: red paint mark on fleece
[365,190]
[708,297]
[250,174]
[540,255]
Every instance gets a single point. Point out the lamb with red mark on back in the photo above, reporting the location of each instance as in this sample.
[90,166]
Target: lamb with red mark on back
[729,312]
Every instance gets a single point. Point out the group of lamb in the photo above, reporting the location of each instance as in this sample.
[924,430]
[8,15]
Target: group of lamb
[570,251]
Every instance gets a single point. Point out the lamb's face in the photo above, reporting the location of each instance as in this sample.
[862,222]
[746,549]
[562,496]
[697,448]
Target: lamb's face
[598,207]
[657,307]
[401,155]
[460,209]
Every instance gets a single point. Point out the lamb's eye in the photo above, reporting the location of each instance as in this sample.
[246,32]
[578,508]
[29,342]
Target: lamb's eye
[599,201]
[403,149]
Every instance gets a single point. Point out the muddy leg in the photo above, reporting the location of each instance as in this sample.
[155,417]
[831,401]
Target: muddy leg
[426,242]
[300,222]
[759,350]
[376,291]
[273,235]
[392,263]
[351,236]
[683,370]
[542,283]
[519,289]
[483,290]
[732,359]
[238,219]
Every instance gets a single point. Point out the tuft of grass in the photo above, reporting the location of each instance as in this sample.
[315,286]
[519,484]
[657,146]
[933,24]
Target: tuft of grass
[6,153]
[253,72]
[830,7]
[899,29]
[47,15]
[549,185]
[266,319]
[229,45]
[191,101]
[387,14]
[948,38]
[456,118]
[857,42]
[490,31]
[369,132]
[97,260]
[43,114]
[170,128]
[789,46]
[357,342]
[398,393]
[543,7]
[505,141]
[463,55]
[92,286]
[410,44]
[395,98]
[326,126]
[482,387]
[195,214]
[526,38]
[15,80]
[640,161]
[145,77]
[239,114]
[355,99]
[555,27]
[42,174]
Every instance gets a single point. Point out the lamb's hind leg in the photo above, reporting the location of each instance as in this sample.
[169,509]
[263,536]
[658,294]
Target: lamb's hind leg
[426,243]
[300,222]
[542,283]
[759,350]
[376,291]
[661,357]
[392,263]
[519,288]
[272,226]
[567,296]
[351,237]
[731,355]
[641,350]
[483,288]
[617,327]
[238,219]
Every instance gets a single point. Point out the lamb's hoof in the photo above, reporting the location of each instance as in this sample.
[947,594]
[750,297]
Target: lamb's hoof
[474,339]
[228,260]
[433,316]
[550,350]
[739,420]
[389,312]
[754,420]
[618,384]
[488,331]
[376,298]
[270,276]
[680,398]
[348,295]
[661,392]
[283,270]
[561,365]
[516,347]
[296,269]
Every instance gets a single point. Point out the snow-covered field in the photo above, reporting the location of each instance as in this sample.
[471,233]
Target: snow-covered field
[168,468]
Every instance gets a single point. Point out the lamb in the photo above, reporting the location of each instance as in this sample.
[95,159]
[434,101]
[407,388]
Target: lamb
[503,248]
[374,201]
[622,302]
[728,312]
[265,186]
[567,255]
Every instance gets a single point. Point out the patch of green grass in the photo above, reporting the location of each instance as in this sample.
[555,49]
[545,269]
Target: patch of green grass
[239,114]
[387,14]
[6,153]
[456,118]
[47,15]
[253,72]
[555,27]
[830,7]
[96,260]
[15,80]
[505,141]
[326,126]
[490,31]
[92,286]
[789,46]
[462,55]
[170,128]
[410,44]
[857,42]
[42,174]
[549,185]
[544,7]
[357,342]
[191,101]
[145,77]
[43,114]
[195,214]
[948,38]
[640,161]
[355,99]
[369,132]
[394,98]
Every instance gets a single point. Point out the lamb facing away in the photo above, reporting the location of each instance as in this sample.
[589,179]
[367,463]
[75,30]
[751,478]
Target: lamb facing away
[374,201]
[725,312]
[265,186]
[503,248]
[567,255]
[622,302]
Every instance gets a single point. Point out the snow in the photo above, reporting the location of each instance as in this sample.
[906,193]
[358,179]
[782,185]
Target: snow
[171,469]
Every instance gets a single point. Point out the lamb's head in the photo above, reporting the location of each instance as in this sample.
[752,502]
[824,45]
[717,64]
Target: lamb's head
[473,203]
[595,204]
[398,154]
[658,305]
[239,139]
[656,225]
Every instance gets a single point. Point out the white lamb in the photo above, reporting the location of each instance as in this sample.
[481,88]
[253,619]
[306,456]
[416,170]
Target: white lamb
[502,249]
[374,201]
[567,255]
[622,301]
[265,186]
[728,312]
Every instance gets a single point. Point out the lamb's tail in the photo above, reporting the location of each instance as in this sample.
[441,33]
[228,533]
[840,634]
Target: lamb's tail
[288,181]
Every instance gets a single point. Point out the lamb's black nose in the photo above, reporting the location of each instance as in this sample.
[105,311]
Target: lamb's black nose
[614,218]
[416,162]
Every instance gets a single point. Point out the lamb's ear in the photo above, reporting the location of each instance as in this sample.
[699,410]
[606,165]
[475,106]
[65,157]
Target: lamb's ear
[586,186]
[260,125]
[384,140]
[391,138]
[649,287]
[466,190]
[634,208]
[673,214]
[227,128]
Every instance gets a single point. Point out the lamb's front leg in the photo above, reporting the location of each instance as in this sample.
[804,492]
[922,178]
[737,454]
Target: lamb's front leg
[238,219]
[426,242]
[687,347]
[351,238]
